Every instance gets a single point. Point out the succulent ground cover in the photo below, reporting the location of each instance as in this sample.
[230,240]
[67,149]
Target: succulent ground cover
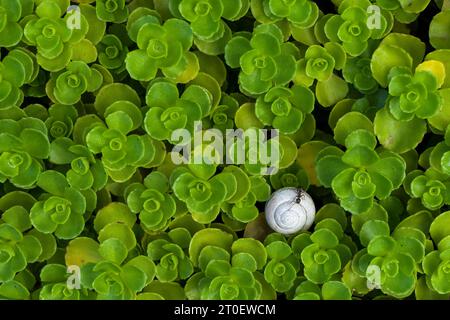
[93,94]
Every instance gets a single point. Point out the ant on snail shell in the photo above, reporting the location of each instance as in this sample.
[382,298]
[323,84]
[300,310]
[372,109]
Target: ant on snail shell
[299,196]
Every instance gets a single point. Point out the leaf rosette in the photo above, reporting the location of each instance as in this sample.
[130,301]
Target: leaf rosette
[205,16]
[24,144]
[432,188]
[285,108]
[122,152]
[112,10]
[16,251]
[436,263]
[244,208]
[413,95]
[331,290]
[394,257]
[301,13]
[169,111]
[171,260]
[324,252]
[360,173]
[282,268]
[50,34]
[112,53]
[11,31]
[162,47]
[357,71]
[111,281]
[61,120]
[61,209]
[229,273]
[54,278]
[404,11]
[152,202]
[69,85]
[350,26]
[265,60]
[18,68]
[85,170]
[203,192]
[222,116]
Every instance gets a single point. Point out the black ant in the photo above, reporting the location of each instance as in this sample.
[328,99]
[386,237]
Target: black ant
[299,196]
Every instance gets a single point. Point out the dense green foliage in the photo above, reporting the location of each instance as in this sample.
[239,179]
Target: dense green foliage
[93,95]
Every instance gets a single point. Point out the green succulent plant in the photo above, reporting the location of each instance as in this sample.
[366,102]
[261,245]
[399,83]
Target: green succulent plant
[169,111]
[205,16]
[222,115]
[229,273]
[264,59]
[112,10]
[140,141]
[16,251]
[436,262]
[260,156]
[403,11]
[439,155]
[114,221]
[413,95]
[36,246]
[293,176]
[331,290]
[11,31]
[245,209]
[24,144]
[152,201]
[170,256]
[69,85]
[160,47]
[61,210]
[357,71]
[393,258]
[360,173]
[301,13]
[110,281]
[17,68]
[323,253]
[350,26]
[435,266]
[226,282]
[50,34]
[285,108]
[282,267]
[112,53]
[202,191]
[319,62]
[121,151]
[20,245]
[85,170]
[60,120]
[430,187]
[106,272]
[55,278]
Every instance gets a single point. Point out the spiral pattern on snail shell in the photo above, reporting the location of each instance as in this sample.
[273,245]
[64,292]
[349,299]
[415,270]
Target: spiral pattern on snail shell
[290,210]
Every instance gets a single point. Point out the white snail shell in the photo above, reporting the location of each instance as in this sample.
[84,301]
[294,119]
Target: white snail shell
[290,210]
